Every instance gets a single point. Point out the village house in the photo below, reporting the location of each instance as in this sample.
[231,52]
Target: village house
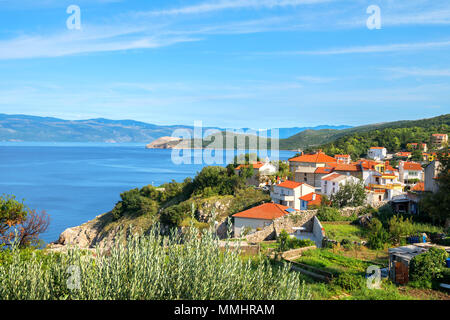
[352,169]
[439,139]
[415,145]
[403,155]
[377,153]
[288,193]
[343,158]
[410,172]
[381,181]
[310,201]
[260,170]
[431,173]
[256,218]
[304,167]
[332,182]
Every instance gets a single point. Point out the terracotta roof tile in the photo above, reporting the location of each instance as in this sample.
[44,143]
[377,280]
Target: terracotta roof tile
[412,166]
[419,186]
[289,184]
[319,157]
[309,198]
[266,211]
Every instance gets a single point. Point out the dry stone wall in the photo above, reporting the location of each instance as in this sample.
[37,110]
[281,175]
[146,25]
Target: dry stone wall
[286,222]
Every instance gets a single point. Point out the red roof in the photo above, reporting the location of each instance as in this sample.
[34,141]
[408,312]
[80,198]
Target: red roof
[403,154]
[419,186]
[331,177]
[256,165]
[309,198]
[377,148]
[319,157]
[439,134]
[266,211]
[289,184]
[412,166]
[347,167]
[324,170]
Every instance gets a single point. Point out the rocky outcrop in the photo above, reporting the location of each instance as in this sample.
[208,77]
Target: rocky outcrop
[164,143]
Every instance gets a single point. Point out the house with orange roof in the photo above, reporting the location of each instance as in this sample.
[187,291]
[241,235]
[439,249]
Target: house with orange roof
[350,169]
[410,172]
[332,182]
[415,145]
[304,167]
[343,158]
[405,155]
[439,139]
[259,217]
[377,153]
[310,200]
[381,180]
[260,169]
[288,193]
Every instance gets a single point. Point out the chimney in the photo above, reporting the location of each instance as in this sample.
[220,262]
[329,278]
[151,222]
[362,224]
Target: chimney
[314,196]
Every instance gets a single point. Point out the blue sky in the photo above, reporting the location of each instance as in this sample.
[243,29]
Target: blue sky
[229,63]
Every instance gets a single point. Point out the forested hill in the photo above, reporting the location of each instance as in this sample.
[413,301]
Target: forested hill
[326,139]
[393,136]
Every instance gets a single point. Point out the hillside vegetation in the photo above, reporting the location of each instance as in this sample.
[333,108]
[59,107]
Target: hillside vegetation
[394,137]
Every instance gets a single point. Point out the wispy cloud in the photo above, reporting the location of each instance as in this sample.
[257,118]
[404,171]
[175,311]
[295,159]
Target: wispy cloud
[205,7]
[413,71]
[367,49]
[88,40]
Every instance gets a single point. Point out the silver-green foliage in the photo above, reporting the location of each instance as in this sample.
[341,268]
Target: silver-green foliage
[185,266]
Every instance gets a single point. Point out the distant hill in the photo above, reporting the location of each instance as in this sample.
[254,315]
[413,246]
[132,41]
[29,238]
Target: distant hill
[322,138]
[46,129]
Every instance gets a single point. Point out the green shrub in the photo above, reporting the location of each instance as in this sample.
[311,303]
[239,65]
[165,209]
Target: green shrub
[377,236]
[400,228]
[332,214]
[428,266]
[348,282]
[151,267]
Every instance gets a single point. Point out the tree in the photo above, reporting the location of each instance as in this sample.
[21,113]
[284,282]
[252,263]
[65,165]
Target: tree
[416,155]
[377,235]
[399,228]
[19,224]
[351,194]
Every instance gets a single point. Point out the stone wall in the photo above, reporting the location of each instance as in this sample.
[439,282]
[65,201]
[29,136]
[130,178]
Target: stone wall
[286,222]
[295,253]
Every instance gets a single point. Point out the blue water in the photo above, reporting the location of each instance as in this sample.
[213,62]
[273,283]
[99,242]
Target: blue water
[74,183]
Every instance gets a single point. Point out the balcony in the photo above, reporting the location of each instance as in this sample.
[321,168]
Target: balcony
[282,197]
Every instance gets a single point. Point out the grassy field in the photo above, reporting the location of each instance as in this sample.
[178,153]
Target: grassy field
[339,261]
[343,230]
[334,263]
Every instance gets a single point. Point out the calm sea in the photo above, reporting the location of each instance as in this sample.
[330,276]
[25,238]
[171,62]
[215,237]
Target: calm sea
[76,182]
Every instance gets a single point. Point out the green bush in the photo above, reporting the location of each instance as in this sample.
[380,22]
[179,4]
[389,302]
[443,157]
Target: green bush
[377,236]
[332,214]
[428,266]
[286,242]
[348,282]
